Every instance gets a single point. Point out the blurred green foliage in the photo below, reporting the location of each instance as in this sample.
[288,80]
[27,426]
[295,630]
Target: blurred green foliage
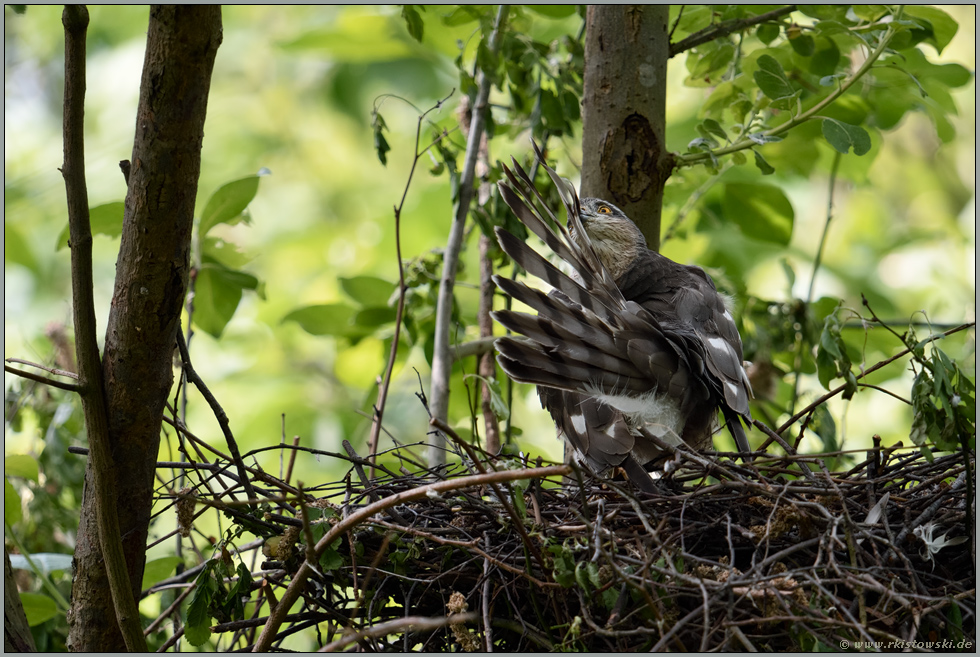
[296,271]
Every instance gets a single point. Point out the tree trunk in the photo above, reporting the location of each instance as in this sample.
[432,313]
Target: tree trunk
[624,155]
[151,281]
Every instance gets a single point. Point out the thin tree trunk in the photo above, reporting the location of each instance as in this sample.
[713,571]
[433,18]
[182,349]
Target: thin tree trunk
[625,158]
[17,635]
[151,281]
[442,358]
[487,366]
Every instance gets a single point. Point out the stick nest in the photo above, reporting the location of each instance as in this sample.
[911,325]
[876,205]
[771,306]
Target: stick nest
[776,554]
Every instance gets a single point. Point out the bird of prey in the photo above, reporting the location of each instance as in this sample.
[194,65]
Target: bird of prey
[629,350]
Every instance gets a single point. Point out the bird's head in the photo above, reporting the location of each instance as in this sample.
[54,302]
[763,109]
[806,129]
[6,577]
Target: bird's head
[616,239]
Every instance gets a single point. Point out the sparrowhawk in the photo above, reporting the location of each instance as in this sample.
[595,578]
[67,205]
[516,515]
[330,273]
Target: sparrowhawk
[629,346]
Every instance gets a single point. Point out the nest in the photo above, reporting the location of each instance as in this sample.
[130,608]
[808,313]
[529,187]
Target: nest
[775,554]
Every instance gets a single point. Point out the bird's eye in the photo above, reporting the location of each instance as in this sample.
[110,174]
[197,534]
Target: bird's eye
[603,209]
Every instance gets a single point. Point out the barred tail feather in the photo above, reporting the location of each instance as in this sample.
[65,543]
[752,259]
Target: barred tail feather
[601,352]
[538,266]
[526,362]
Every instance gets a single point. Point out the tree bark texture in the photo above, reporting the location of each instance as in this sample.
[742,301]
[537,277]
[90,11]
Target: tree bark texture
[624,154]
[17,635]
[151,281]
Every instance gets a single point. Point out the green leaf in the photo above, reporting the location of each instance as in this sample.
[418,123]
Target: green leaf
[374,317]
[823,424]
[159,570]
[767,32]
[105,219]
[803,45]
[331,558]
[217,292]
[582,578]
[694,18]
[360,38]
[762,164]
[762,211]
[519,505]
[381,146]
[955,618]
[12,513]
[825,12]
[563,567]
[712,127]
[16,249]
[706,61]
[832,358]
[367,290]
[842,136]
[20,465]
[227,203]
[497,403]
[553,11]
[771,78]
[215,250]
[941,25]
[825,59]
[413,21]
[870,12]
[197,618]
[38,608]
[326,319]
[462,15]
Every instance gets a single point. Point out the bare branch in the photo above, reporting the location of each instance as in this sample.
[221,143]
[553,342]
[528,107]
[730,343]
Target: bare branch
[442,350]
[405,624]
[219,413]
[71,387]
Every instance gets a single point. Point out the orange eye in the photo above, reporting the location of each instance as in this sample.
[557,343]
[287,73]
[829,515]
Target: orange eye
[604,210]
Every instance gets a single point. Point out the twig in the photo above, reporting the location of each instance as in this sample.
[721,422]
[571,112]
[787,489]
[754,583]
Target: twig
[486,367]
[219,413]
[476,347]
[504,499]
[379,408]
[405,624]
[50,370]
[719,30]
[468,545]
[485,601]
[71,387]
[817,259]
[152,627]
[874,368]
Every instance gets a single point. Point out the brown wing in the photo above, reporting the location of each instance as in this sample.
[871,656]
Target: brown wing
[683,297]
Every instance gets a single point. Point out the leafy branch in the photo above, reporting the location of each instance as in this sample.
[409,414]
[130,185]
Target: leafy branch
[688,159]
[874,368]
